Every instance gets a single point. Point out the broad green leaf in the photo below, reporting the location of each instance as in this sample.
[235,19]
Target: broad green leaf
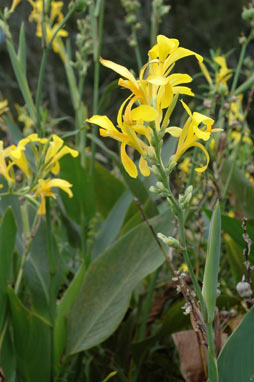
[105,293]
[235,362]
[7,244]
[112,225]
[242,191]
[134,216]
[82,188]
[135,185]
[37,274]
[211,272]
[8,357]
[107,189]
[32,340]
[62,310]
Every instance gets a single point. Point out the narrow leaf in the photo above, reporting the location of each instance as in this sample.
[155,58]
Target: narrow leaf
[210,281]
[22,48]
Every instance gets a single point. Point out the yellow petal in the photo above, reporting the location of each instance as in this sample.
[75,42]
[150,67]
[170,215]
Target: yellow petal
[178,54]
[143,166]
[166,46]
[205,72]
[145,113]
[165,96]
[186,108]
[220,60]
[102,121]
[182,90]
[203,168]
[174,131]
[157,80]
[118,69]
[62,184]
[179,78]
[128,164]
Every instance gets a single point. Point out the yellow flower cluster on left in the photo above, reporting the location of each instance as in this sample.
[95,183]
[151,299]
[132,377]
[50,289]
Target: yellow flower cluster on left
[51,22]
[45,154]
[150,104]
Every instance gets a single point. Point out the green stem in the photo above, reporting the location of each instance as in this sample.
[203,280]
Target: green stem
[43,67]
[212,367]
[154,26]
[137,50]
[240,63]
[213,375]
[97,52]
[51,259]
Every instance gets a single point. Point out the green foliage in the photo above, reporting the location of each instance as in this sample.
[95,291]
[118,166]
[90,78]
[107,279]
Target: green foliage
[235,361]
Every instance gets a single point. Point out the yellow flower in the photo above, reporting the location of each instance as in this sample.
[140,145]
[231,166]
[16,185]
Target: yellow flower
[224,73]
[185,165]
[4,167]
[130,127]
[205,72]
[191,134]
[51,23]
[24,117]
[3,107]
[156,86]
[43,189]
[17,153]
[14,5]
[55,152]
[235,111]
[236,135]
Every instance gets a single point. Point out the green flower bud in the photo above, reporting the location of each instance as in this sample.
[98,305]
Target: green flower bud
[81,5]
[169,241]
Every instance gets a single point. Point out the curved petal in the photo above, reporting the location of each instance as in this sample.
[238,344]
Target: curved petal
[122,70]
[182,90]
[166,46]
[186,108]
[128,164]
[174,131]
[143,166]
[203,168]
[102,121]
[62,184]
[178,54]
[179,78]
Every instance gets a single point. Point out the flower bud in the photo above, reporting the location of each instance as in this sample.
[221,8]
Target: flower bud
[169,241]
[243,288]
[81,5]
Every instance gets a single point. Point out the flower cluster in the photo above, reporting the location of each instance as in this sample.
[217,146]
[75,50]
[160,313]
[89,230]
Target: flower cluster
[51,23]
[150,105]
[37,158]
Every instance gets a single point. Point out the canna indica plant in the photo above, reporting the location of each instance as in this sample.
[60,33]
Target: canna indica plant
[143,122]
